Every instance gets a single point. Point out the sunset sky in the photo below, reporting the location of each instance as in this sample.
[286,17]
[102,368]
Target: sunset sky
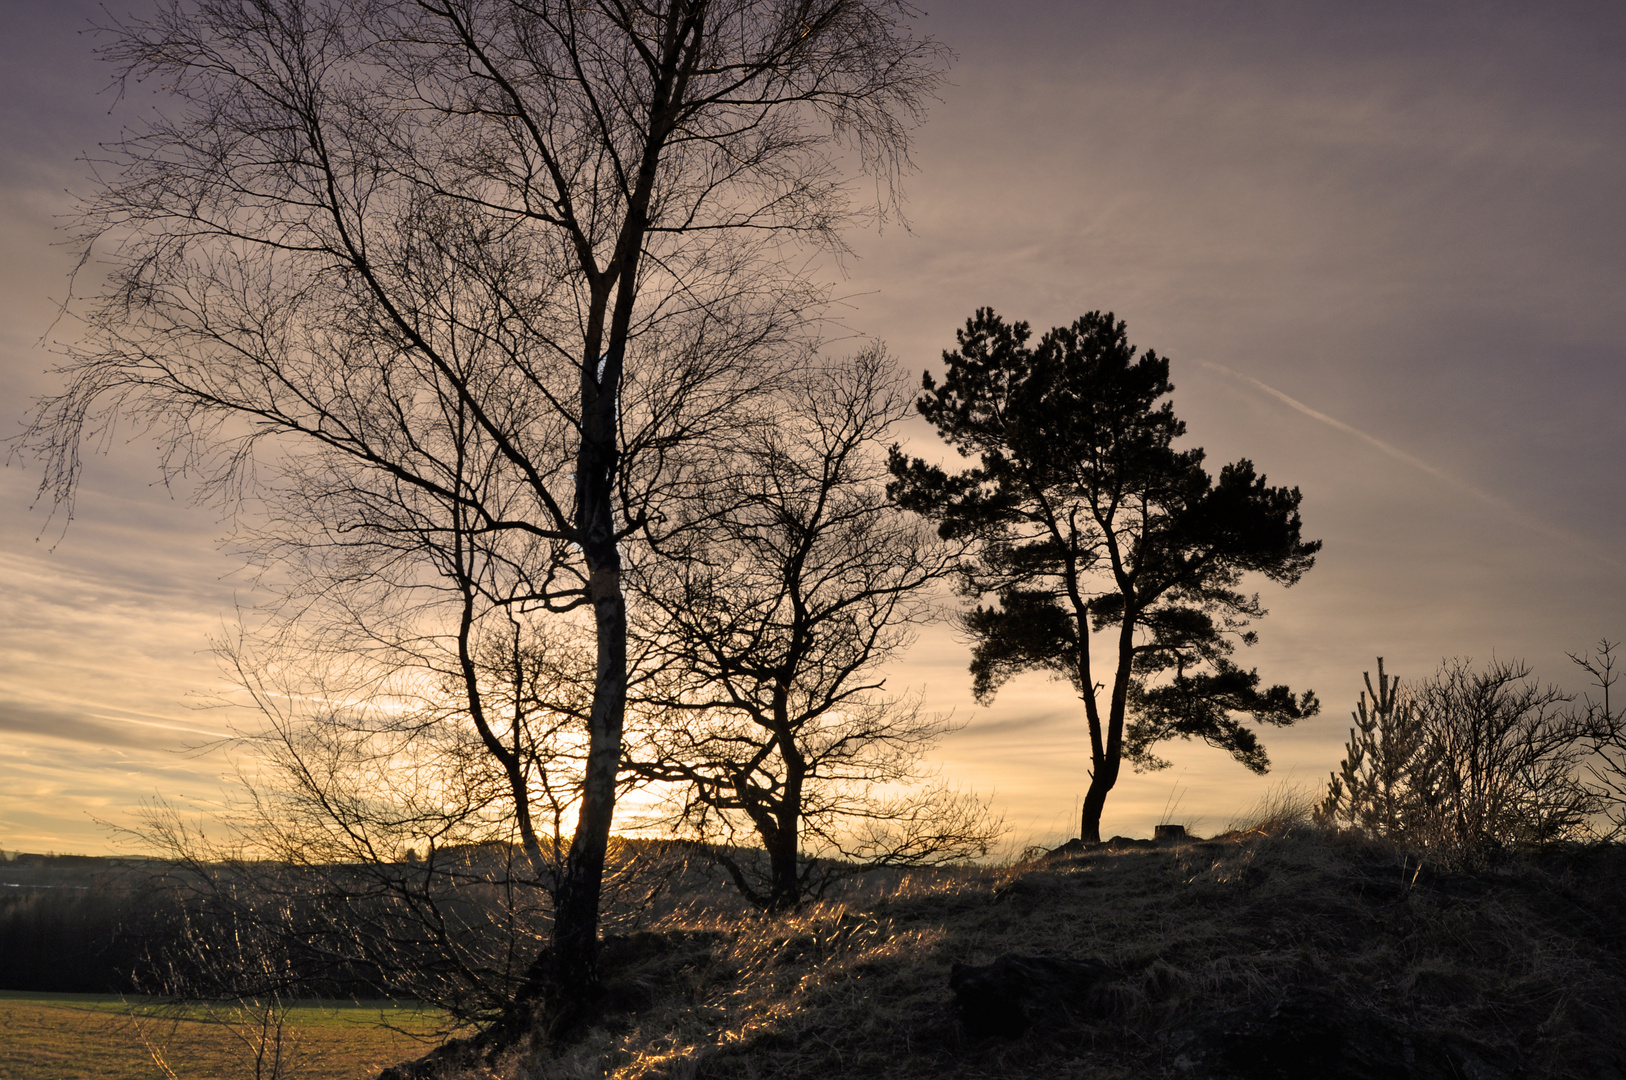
[1384,246]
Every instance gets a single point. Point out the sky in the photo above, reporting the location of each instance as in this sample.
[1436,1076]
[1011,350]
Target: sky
[1383,246]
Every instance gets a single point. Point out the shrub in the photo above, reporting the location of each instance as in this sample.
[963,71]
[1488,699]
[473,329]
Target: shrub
[1385,784]
[1607,763]
[1467,762]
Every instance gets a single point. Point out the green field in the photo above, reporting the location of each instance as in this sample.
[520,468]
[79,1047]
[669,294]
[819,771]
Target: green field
[102,1037]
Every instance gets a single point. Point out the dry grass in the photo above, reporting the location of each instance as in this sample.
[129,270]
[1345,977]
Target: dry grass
[1283,808]
[1519,968]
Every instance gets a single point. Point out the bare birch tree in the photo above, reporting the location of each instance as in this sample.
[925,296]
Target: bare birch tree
[476,271]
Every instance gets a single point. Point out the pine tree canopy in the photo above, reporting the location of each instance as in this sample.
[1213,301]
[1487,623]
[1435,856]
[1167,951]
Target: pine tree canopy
[1088,519]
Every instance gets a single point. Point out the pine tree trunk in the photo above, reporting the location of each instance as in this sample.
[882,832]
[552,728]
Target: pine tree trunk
[1095,800]
[1105,759]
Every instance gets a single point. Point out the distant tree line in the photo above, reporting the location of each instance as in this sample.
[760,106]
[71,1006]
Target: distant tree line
[83,929]
[452,928]
[139,927]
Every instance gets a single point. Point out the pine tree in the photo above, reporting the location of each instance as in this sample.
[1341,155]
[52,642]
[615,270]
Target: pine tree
[1387,782]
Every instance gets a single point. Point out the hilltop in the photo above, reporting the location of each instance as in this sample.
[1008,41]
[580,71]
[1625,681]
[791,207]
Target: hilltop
[1262,954]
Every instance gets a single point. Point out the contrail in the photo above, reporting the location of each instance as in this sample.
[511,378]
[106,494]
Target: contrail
[128,718]
[1415,462]
[1378,444]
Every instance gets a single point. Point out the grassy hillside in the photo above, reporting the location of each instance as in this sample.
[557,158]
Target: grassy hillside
[1280,952]
[1253,955]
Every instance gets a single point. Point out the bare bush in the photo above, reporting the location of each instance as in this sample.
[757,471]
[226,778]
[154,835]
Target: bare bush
[1606,765]
[1466,762]
[1508,752]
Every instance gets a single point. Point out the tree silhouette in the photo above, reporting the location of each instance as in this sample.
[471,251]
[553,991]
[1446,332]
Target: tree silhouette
[796,583]
[1087,520]
[447,286]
